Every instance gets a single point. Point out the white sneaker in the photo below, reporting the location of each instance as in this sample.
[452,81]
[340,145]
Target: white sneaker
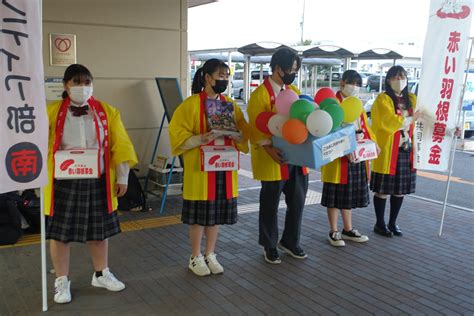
[354,235]
[335,239]
[213,264]
[62,290]
[198,265]
[108,281]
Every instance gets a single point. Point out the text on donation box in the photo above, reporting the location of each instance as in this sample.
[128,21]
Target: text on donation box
[219,158]
[335,148]
[76,164]
[365,150]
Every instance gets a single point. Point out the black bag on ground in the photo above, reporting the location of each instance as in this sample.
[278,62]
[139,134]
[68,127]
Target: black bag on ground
[30,208]
[134,199]
[10,219]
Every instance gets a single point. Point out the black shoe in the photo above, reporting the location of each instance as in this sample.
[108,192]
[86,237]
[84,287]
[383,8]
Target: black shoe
[296,252]
[395,230]
[383,231]
[271,255]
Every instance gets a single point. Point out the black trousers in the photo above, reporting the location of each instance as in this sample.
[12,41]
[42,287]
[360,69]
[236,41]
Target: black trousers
[295,194]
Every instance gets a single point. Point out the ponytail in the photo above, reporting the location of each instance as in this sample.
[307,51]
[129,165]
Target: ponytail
[198,81]
[209,67]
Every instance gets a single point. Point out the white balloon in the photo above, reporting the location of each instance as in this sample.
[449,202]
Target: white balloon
[319,123]
[275,124]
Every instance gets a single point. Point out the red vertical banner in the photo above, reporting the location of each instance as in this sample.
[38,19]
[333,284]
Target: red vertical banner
[24,122]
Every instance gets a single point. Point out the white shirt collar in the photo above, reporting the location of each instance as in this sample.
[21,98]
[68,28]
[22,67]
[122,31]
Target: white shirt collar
[275,86]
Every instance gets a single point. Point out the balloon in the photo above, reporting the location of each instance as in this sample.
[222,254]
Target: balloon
[275,124]
[328,102]
[284,100]
[352,107]
[262,121]
[306,97]
[319,123]
[294,131]
[300,109]
[322,94]
[337,115]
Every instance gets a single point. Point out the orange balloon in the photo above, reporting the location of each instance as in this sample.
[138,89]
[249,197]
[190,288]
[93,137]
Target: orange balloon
[294,131]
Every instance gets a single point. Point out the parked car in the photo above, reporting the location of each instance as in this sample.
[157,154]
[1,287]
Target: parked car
[373,83]
[336,76]
[238,82]
[413,86]
[365,76]
[469,120]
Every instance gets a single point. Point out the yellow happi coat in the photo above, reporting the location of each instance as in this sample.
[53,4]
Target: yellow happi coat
[264,168]
[188,120]
[121,150]
[386,123]
[337,171]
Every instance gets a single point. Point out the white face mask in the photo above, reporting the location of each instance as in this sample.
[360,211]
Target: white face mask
[350,90]
[398,85]
[80,94]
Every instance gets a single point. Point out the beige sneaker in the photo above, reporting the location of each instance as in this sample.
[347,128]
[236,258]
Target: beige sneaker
[213,264]
[198,265]
[62,290]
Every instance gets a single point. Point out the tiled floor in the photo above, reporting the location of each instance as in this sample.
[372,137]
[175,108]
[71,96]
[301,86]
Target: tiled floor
[419,273]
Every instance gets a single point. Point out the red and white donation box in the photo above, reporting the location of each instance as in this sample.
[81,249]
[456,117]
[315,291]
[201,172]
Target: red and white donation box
[219,158]
[365,150]
[76,164]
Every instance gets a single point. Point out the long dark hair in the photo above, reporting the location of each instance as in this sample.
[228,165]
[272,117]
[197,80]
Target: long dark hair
[209,67]
[393,72]
[78,73]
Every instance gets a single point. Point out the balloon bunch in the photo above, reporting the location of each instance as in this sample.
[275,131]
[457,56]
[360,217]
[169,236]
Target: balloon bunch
[297,116]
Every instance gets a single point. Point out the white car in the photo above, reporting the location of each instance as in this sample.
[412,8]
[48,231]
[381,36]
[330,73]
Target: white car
[238,82]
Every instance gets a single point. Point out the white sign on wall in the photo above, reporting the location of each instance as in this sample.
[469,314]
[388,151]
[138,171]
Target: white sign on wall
[53,88]
[62,49]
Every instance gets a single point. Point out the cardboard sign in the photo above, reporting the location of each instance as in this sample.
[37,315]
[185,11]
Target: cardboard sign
[219,158]
[76,164]
[365,150]
[316,152]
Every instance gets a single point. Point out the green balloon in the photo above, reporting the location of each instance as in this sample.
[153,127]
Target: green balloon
[327,102]
[300,109]
[336,113]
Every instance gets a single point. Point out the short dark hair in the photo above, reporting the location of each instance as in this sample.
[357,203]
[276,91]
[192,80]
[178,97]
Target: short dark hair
[352,77]
[79,73]
[285,57]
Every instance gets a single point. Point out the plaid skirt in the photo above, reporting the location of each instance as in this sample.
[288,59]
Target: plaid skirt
[403,182]
[351,195]
[80,212]
[208,213]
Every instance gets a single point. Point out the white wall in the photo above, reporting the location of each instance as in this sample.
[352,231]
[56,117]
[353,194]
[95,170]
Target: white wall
[125,44]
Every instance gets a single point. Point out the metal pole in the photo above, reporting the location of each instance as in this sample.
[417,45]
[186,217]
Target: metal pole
[453,148]
[229,62]
[246,78]
[44,280]
[315,76]
[330,77]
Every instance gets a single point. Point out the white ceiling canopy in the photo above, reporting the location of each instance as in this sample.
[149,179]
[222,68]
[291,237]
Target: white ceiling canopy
[195,3]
